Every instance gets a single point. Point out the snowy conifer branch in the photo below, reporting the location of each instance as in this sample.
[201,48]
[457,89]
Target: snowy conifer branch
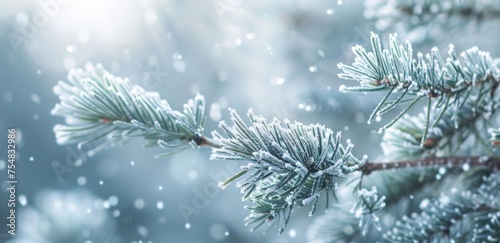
[449,162]
[458,130]
[430,19]
[460,217]
[436,220]
[487,228]
[291,163]
[101,109]
[365,206]
[443,83]
[427,15]
[336,225]
[402,189]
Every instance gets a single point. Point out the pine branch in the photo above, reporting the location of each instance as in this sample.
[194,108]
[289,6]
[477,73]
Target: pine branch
[428,19]
[291,164]
[337,225]
[101,109]
[442,83]
[487,228]
[365,206]
[403,191]
[447,135]
[448,162]
[442,217]
[436,220]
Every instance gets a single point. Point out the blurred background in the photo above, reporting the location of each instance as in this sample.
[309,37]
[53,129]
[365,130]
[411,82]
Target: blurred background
[278,57]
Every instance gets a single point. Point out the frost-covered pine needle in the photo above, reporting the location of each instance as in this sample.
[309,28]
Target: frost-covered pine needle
[101,109]
[290,163]
[444,82]
[365,206]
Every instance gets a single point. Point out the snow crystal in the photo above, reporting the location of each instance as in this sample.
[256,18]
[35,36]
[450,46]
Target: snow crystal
[113,200]
[187,225]
[292,233]
[276,81]
[330,11]
[23,200]
[348,230]
[313,69]
[444,199]
[215,112]
[159,205]
[142,231]
[442,170]
[105,204]
[321,53]
[466,167]
[81,180]
[238,41]
[179,64]
[424,203]
[70,48]
[139,204]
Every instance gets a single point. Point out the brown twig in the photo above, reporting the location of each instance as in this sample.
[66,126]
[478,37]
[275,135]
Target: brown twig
[205,141]
[485,161]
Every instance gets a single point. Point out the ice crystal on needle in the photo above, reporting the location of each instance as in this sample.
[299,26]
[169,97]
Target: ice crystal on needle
[290,163]
[101,109]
